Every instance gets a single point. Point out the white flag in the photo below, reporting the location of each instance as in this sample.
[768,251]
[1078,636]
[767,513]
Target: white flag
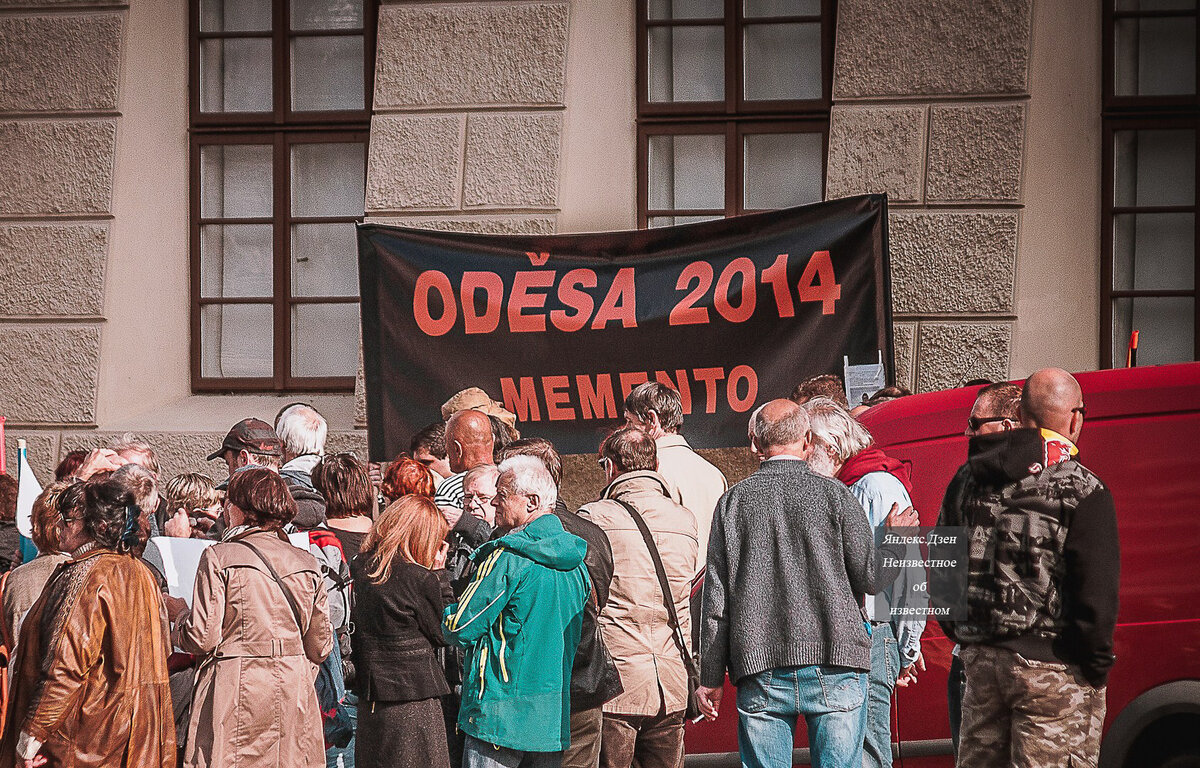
[28,489]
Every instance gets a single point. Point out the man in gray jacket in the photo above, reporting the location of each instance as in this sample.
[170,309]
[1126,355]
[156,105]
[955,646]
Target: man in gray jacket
[793,552]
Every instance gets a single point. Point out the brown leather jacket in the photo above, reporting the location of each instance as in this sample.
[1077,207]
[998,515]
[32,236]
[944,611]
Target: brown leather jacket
[255,704]
[90,678]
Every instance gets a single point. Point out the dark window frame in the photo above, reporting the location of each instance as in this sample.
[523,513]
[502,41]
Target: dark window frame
[734,116]
[1126,113]
[281,128]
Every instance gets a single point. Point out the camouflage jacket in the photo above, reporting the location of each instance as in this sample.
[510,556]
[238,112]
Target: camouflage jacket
[1043,561]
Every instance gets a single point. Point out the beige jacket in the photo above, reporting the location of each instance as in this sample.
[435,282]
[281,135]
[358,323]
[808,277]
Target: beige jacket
[634,622]
[695,483]
[255,704]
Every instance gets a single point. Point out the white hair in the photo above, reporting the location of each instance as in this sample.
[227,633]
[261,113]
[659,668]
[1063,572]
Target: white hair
[833,425]
[531,478]
[483,470]
[302,430]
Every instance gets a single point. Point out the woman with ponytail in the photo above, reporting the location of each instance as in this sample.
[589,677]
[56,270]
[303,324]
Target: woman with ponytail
[90,678]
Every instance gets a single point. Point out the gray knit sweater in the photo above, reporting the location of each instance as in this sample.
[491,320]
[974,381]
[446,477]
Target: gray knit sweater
[790,556]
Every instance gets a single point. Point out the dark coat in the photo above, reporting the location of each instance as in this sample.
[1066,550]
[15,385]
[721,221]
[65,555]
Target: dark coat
[397,625]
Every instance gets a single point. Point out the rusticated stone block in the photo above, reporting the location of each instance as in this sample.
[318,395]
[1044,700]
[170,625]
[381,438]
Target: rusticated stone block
[512,160]
[583,481]
[931,47]
[414,162]
[56,167]
[42,452]
[360,393]
[471,54]
[486,225]
[50,372]
[59,62]
[952,353]
[975,152]
[952,262]
[876,150]
[904,342]
[348,442]
[53,269]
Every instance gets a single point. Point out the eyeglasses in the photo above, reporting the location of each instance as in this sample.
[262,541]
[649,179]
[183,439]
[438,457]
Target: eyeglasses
[975,423]
[1081,410]
[477,498]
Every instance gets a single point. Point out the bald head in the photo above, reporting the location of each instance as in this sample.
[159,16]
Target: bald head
[1052,399]
[468,440]
[780,427]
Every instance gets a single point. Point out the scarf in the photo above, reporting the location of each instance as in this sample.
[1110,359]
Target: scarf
[874,460]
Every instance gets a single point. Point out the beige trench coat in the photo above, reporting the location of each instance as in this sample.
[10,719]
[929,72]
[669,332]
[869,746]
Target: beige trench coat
[255,704]
[694,483]
[634,622]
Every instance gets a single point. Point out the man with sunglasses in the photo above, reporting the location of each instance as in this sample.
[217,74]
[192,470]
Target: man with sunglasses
[1042,582]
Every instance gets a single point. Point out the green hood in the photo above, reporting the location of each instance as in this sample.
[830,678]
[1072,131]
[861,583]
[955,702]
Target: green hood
[544,542]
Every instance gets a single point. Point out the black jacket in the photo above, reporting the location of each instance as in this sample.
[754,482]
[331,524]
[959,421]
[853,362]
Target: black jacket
[1044,563]
[588,672]
[397,625]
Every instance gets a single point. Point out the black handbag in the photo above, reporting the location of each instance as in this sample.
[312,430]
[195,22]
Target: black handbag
[689,663]
[594,677]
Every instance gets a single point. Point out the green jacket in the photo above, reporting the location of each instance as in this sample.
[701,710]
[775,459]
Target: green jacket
[519,621]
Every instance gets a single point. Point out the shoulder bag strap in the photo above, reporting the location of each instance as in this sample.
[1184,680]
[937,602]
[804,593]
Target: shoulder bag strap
[286,592]
[664,585]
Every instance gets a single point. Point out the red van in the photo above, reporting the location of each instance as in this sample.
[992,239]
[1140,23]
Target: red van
[1142,437]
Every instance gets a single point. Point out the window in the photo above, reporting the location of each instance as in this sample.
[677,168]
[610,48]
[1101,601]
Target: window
[733,106]
[1151,116]
[280,114]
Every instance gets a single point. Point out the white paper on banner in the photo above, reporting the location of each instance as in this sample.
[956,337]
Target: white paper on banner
[180,560]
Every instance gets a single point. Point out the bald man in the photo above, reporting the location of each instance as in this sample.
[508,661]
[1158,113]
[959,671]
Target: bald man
[468,445]
[1041,586]
[790,557]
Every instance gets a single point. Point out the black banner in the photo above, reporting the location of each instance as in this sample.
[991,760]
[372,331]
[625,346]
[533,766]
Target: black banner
[560,327]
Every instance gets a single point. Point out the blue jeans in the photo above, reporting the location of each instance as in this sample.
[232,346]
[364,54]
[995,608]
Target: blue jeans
[480,754]
[832,701]
[885,668]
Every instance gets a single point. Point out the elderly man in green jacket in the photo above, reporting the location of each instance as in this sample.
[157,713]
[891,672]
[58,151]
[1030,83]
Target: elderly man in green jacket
[519,621]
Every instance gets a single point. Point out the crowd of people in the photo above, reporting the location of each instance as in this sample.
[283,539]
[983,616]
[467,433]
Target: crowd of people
[449,608]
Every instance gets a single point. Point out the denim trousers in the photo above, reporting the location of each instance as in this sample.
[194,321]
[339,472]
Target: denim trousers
[480,754]
[832,701]
[885,668]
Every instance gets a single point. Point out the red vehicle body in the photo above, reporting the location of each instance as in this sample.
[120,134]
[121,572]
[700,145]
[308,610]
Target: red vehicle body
[1140,437]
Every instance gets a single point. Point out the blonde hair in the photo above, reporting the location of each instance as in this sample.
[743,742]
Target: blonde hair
[411,528]
[191,491]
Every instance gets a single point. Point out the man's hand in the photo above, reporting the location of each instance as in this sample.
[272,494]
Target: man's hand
[452,514]
[99,460]
[908,675]
[709,700]
[906,519]
[37,761]
[179,526]
[375,472]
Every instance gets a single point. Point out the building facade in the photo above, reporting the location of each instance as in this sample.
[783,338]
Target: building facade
[177,180]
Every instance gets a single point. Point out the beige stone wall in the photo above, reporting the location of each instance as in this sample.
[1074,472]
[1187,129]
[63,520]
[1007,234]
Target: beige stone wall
[59,120]
[94,239]
[931,106]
